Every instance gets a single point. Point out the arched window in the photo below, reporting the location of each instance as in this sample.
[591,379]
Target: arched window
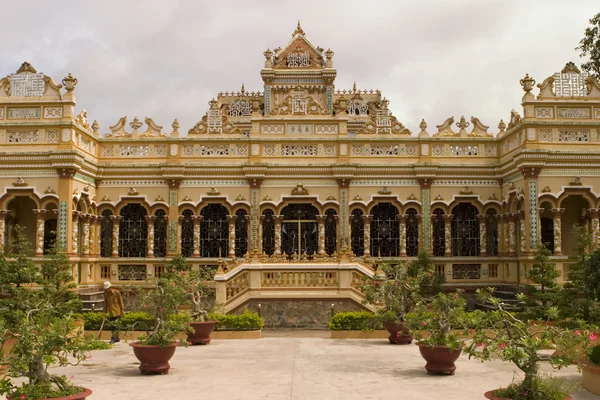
[214,231]
[187,233]
[241,233]
[299,229]
[49,234]
[268,232]
[412,233]
[439,234]
[133,231]
[465,230]
[160,234]
[106,234]
[385,231]
[491,230]
[330,232]
[357,233]
[547,227]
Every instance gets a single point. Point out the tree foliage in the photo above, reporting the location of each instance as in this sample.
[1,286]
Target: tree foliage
[589,47]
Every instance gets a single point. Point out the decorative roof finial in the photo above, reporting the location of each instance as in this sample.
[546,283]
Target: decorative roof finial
[298,30]
[354,87]
[243,90]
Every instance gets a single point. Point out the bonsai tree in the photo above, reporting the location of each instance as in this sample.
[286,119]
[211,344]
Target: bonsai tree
[58,284]
[543,273]
[34,326]
[400,285]
[502,335]
[580,295]
[436,320]
[161,301]
[194,281]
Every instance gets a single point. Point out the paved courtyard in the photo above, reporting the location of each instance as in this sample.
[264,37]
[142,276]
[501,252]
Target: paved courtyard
[285,368]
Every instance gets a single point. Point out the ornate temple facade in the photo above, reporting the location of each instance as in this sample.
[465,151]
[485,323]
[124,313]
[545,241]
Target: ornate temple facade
[299,190]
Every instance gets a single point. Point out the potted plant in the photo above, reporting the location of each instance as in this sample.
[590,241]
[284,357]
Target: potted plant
[397,287]
[194,281]
[434,323]
[34,328]
[502,335]
[591,369]
[157,346]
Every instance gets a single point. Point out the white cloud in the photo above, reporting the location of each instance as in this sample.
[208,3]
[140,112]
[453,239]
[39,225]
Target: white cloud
[167,59]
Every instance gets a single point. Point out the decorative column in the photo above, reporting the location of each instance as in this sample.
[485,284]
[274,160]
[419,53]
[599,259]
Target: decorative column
[179,233]
[93,234]
[531,216]
[278,219]
[593,213]
[522,236]
[402,233]
[344,214]
[150,235]
[448,233]
[173,229]
[197,219]
[116,219]
[255,242]
[367,226]
[85,246]
[482,235]
[65,205]
[557,219]
[425,235]
[3,215]
[75,232]
[321,230]
[512,234]
[231,242]
[39,232]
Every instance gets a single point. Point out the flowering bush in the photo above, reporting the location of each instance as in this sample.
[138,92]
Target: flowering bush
[401,285]
[508,338]
[435,321]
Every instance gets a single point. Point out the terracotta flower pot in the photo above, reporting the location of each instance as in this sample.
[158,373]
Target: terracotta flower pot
[78,396]
[440,359]
[591,377]
[154,359]
[202,331]
[398,333]
[490,395]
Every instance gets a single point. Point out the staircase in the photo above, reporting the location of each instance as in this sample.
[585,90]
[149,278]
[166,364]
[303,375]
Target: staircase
[507,295]
[92,299]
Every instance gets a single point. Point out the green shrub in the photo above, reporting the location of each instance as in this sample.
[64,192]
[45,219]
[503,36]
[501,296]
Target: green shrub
[247,321]
[594,354]
[94,344]
[138,321]
[354,320]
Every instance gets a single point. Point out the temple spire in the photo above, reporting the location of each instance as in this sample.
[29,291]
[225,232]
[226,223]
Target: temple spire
[298,30]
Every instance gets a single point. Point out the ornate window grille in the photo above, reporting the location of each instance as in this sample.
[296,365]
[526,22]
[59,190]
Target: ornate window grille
[187,233]
[132,272]
[106,236]
[491,228]
[439,234]
[241,233]
[465,230]
[547,227]
[466,271]
[385,230]
[214,231]
[299,233]
[49,234]
[357,233]
[104,271]
[330,232]
[268,232]
[133,231]
[160,234]
[412,233]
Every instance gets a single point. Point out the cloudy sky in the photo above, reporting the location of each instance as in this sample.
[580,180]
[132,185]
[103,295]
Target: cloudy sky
[167,59]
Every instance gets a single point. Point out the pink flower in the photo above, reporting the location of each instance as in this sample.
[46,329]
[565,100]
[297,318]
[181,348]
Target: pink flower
[396,283]
[593,336]
[435,317]
[502,345]
[9,342]
[577,332]
[482,344]
[72,376]
[424,323]
[22,397]
[145,306]
[471,330]
[89,357]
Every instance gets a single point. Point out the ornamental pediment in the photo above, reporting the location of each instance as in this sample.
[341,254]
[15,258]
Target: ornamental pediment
[152,131]
[27,82]
[445,129]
